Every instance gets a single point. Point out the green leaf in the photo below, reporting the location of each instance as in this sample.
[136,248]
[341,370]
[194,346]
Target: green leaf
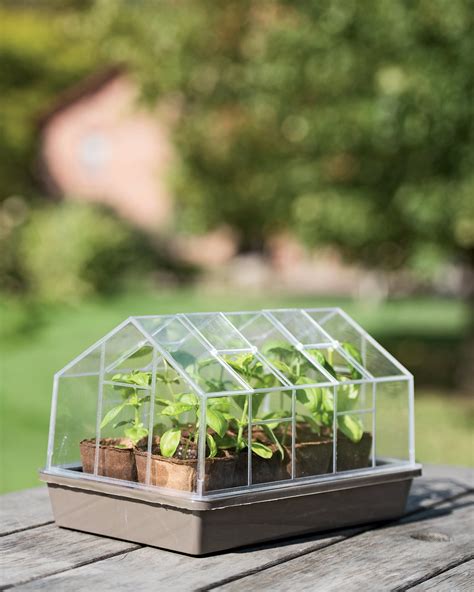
[140,378]
[175,409]
[351,427]
[161,401]
[273,415]
[135,377]
[327,400]
[268,430]
[262,450]
[188,399]
[220,404]
[183,358]
[355,354]
[216,421]
[352,351]
[112,414]
[226,442]
[278,346]
[169,442]
[212,445]
[143,351]
[136,433]
[122,423]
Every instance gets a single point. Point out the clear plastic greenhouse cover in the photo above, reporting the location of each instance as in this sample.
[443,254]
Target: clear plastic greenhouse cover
[213,404]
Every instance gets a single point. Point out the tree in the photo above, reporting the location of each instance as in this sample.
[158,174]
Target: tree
[350,122]
[42,53]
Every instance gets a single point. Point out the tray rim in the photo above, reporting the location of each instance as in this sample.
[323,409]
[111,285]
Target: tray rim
[272,492]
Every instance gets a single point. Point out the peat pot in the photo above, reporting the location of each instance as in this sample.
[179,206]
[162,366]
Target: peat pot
[116,458]
[216,523]
[353,455]
[181,475]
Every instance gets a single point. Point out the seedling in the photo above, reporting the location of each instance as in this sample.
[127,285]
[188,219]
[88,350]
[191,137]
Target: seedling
[134,398]
[320,400]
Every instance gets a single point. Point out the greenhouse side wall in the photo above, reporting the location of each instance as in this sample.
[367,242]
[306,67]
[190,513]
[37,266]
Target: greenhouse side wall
[208,404]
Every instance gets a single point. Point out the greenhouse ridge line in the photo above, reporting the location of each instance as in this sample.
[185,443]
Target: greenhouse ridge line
[151,338]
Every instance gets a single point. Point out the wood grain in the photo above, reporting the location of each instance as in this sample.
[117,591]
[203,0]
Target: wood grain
[24,509]
[48,558]
[457,579]
[38,552]
[390,558]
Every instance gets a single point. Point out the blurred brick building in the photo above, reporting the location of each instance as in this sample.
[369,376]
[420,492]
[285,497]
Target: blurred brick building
[98,145]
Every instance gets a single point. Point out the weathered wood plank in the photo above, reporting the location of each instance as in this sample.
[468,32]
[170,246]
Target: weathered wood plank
[148,568]
[24,509]
[390,558]
[128,568]
[438,483]
[148,565]
[462,475]
[45,550]
[457,579]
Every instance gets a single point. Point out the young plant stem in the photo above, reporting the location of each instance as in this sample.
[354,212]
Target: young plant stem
[241,423]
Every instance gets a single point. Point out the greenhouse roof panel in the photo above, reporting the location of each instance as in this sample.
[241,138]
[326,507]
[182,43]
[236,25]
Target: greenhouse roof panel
[222,352]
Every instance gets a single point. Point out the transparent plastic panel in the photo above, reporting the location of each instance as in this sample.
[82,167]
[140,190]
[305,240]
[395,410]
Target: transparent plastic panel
[355,397]
[76,413]
[271,452]
[125,350]
[85,364]
[339,362]
[168,458]
[373,359]
[194,357]
[392,421]
[124,418]
[271,436]
[257,329]
[136,359]
[254,370]
[314,420]
[226,452]
[219,332]
[301,326]
[210,402]
[153,325]
[354,441]
[275,345]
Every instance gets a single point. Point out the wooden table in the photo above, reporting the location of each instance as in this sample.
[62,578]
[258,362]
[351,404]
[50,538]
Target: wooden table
[430,549]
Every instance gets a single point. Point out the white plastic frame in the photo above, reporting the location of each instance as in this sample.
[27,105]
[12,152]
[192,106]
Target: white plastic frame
[151,338]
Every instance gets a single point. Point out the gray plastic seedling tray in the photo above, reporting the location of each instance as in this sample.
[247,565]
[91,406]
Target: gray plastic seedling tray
[198,527]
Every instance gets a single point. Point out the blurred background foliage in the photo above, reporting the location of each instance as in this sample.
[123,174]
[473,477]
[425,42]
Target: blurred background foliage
[344,123]
[351,122]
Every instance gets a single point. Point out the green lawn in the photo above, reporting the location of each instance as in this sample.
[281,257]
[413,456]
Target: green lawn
[36,343]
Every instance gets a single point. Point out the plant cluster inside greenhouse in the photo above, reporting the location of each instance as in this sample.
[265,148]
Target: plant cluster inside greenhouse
[217,403]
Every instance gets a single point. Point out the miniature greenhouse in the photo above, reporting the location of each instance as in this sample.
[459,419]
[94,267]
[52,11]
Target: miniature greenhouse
[216,406]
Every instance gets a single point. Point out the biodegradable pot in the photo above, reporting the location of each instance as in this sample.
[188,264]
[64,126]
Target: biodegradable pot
[264,470]
[353,455]
[118,463]
[176,473]
[312,452]
[311,458]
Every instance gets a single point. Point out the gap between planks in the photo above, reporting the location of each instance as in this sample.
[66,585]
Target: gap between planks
[435,574]
[318,545]
[389,571]
[23,528]
[343,539]
[59,571]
